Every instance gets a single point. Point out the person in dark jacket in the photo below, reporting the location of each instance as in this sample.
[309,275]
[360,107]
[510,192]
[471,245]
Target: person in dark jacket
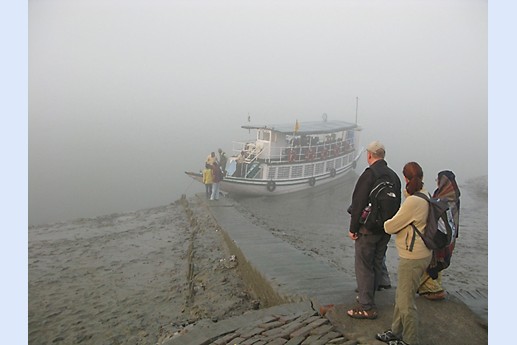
[217,178]
[222,160]
[370,244]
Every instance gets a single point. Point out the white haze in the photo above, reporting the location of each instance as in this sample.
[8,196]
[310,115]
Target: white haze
[124,96]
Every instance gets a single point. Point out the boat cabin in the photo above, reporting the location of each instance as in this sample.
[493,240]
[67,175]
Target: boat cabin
[283,145]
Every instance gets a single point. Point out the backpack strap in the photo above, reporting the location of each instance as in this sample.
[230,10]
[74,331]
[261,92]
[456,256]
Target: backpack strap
[415,229]
[423,196]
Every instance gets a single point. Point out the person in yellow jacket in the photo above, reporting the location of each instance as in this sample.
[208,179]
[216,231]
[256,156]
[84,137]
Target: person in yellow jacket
[208,180]
[413,260]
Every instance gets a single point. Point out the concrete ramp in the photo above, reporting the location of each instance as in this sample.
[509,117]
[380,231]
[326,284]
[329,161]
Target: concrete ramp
[285,273]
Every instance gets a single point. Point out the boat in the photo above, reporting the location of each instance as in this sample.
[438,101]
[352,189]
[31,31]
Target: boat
[285,158]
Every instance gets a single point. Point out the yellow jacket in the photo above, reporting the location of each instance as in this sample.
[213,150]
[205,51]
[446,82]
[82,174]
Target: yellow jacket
[413,210]
[208,178]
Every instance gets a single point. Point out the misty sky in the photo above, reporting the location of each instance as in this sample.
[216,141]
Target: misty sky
[124,96]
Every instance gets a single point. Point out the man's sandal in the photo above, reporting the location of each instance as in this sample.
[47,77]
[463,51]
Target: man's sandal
[358,312]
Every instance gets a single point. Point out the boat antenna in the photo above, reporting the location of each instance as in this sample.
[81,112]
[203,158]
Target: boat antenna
[356,107]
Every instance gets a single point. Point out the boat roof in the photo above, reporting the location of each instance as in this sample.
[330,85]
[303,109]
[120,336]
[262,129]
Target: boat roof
[307,127]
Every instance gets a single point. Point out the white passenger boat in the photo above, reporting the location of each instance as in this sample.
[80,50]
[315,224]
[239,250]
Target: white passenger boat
[286,158]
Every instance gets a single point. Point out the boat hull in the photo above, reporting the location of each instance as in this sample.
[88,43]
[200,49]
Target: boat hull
[261,187]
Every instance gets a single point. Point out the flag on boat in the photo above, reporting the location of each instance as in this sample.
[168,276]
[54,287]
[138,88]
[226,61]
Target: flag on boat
[296,126]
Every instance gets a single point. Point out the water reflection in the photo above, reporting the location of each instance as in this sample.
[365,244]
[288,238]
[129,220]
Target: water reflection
[310,209]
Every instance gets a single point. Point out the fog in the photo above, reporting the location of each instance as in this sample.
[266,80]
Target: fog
[124,96]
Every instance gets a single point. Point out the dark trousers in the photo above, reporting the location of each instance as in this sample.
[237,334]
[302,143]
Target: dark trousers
[369,254]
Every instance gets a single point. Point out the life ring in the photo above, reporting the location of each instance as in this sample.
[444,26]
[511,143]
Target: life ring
[332,172]
[271,185]
[291,156]
[309,155]
[312,181]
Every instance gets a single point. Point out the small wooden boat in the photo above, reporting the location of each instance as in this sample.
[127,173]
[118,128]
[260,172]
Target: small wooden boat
[285,158]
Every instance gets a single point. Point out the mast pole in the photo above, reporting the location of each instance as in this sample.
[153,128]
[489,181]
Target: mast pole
[356,107]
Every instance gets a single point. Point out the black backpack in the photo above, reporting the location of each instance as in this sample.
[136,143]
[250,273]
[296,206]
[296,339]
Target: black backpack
[383,204]
[439,228]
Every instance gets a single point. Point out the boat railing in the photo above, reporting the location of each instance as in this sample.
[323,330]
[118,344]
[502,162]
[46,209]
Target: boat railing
[294,154]
[251,151]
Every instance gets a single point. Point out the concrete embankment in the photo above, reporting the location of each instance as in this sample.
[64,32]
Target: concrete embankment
[292,287]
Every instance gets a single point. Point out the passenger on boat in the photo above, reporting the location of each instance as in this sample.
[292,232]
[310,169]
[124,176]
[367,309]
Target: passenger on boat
[239,171]
[304,140]
[241,157]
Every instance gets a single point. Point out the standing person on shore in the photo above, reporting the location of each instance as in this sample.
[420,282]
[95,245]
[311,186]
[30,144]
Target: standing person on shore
[218,177]
[370,244]
[431,282]
[222,159]
[211,159]
[413,258]
[208,179]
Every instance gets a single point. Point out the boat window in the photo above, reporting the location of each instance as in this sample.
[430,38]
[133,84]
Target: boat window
[265,135]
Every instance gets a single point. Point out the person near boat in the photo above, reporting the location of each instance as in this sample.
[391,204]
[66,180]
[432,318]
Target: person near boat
[208,179]
[217,178]
[431,282]
[211,159]
[223,159]
[414,257]
[370,244]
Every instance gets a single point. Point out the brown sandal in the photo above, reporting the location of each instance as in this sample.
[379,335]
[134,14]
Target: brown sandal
[435,296]
[325,308]
[359,312]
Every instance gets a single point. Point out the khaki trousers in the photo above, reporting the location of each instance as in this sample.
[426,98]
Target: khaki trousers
[430,285]
[405,317]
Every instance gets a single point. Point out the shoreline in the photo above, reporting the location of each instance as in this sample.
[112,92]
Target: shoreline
[127,278]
